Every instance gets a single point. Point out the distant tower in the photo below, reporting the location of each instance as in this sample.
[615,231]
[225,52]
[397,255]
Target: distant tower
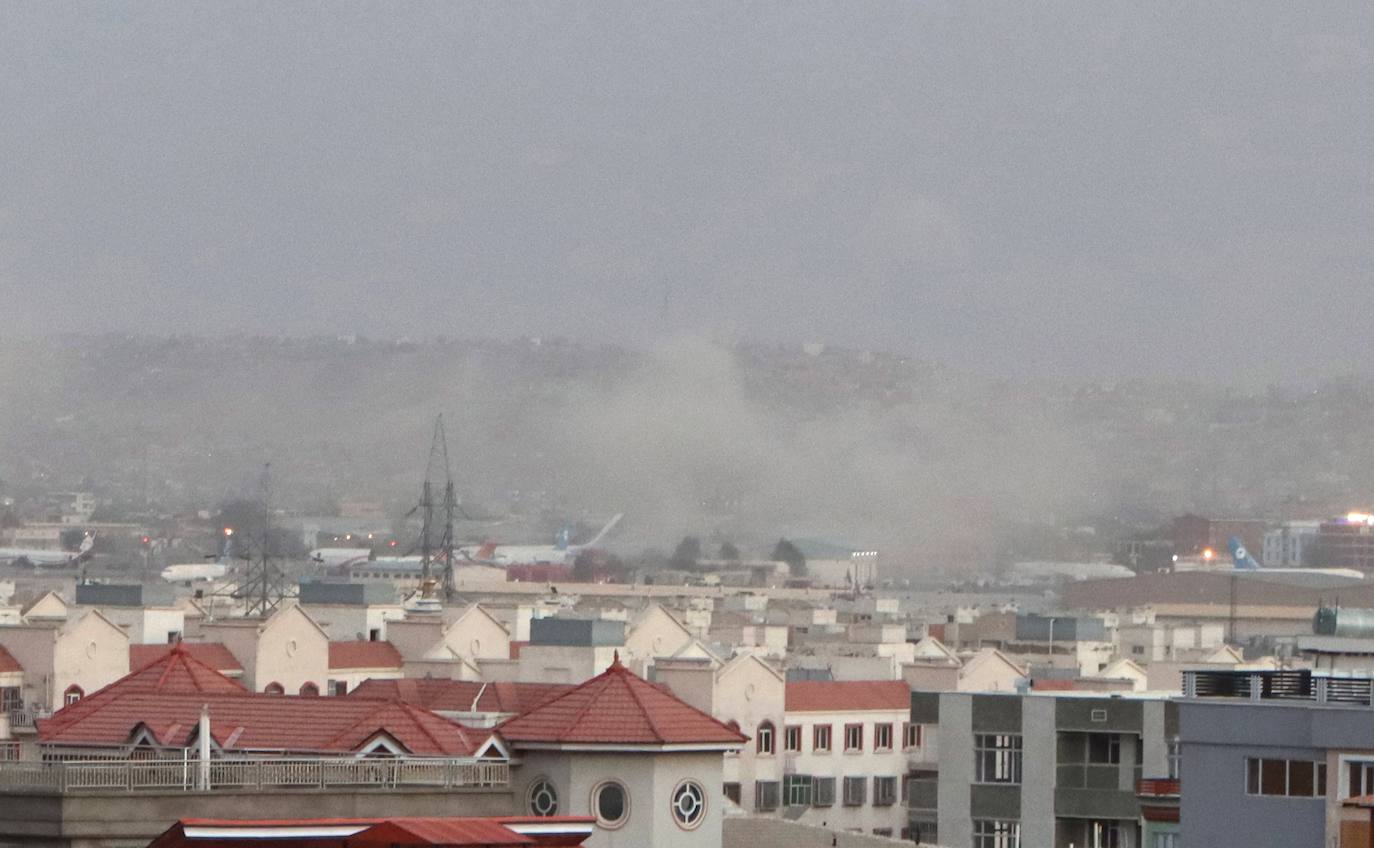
[433,514]
[264,585]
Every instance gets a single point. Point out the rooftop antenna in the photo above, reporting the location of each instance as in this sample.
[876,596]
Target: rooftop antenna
[264,585]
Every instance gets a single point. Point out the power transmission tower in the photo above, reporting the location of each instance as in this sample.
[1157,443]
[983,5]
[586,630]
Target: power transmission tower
[264,585]
[429,556]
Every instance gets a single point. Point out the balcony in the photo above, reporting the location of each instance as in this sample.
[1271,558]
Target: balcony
[257,775]
[1157,787]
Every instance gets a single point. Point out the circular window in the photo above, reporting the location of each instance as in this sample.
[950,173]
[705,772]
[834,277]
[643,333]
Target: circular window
[689,804]
[543,798]
[611,803]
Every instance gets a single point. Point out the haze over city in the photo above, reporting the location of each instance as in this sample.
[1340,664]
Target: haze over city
[1042,191]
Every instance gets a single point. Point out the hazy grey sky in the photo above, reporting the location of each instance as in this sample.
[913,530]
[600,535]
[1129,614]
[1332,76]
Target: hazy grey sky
[1073,189]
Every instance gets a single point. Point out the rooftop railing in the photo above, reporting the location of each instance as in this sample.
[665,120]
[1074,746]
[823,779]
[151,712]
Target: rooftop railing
[1278,685]
[184,775]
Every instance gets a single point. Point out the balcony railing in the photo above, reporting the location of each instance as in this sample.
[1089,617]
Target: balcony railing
[168,775]
[22,719]
[1157,787]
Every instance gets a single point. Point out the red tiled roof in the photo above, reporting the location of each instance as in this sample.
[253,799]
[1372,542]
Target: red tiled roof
[364,654]
[257,722]
[618,708]
[8,663]
[834,696]
[1051,684]
[459,696]
[176,669]
[213,654]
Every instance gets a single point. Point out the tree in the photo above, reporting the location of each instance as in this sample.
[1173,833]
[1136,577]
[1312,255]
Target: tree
[686,554]
[729,552]
[789,553]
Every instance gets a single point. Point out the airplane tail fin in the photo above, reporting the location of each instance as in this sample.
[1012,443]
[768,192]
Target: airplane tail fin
[1240,556]
[87,542]
[610,525]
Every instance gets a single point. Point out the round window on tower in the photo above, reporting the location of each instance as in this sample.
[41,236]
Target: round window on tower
[689,804]
[543,798]
[611,804]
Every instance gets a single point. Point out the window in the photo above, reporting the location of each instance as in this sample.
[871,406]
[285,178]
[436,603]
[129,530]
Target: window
[996,833]
[853,737]
[855,790]
[924,832]
[173,637]
[1104,748]
[11,699]
[820,738]
[732,792]
[542,798]
[274,688]
[338,687]
[1175,756]
[73,694]
[374,635]
[1360,776]
[882,737]
[796,790]
[823,792]
[1165,840]
[884,791]
[689,804]
[912,737]
[1138,650]
[763,739]
[310,690]
[1287,778]
[791,739]
[611,804]
[883,831]
[766,795]
[997,758]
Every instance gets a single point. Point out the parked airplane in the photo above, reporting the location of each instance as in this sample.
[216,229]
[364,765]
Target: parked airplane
[1244,561]
[560,552]
[43,558]
[194,572]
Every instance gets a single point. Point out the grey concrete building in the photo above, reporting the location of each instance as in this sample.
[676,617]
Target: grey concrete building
[1056,769]
[1276,758]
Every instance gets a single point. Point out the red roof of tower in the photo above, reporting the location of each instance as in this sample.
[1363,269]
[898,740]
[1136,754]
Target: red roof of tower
[213,654]
[8,663]
[461,696]
[618,708]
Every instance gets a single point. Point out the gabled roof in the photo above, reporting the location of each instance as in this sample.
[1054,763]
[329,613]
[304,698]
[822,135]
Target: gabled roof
[258,722]
[8,664]
[930,648]
[363,654]
[461,696]
[987,655]
[834,696]
[52,596]
[618,708]
[213,654]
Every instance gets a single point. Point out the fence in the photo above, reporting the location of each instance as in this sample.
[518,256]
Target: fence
[183,775]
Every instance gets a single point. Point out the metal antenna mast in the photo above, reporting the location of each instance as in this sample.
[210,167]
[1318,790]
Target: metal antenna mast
[264,585]
[438,462]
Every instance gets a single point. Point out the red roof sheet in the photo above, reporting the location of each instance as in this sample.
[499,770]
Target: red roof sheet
[8,663]
[213,654]
[345,833]
[834,696]
[461,696]
[618,708]
[363,654]
[258,722]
